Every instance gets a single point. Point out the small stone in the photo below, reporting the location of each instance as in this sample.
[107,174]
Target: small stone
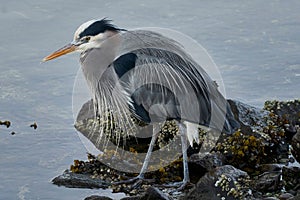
[75,180]
[96,197]
[269,168]
[132,198]
[285,196]
[154,193]
[270,198]
[291,159]
[207,161]
[267,182]
[291,178]
[297,197]
[296,146]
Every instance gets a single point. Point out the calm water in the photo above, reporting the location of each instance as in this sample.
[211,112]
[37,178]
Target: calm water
[255,44]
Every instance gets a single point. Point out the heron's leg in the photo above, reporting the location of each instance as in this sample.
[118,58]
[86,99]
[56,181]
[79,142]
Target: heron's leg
[186,179]
[183,136]
[149,152]
[141,175]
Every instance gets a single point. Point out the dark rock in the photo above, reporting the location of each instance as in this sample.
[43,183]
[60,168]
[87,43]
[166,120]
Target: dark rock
[95,197]
[290,131]
[207,161]
[286,196]
[291,178]
[132,198]
[225,181]
[296,146]
[289,110]
[199,164]
[267,182]
[73,180]
[267,179]
[86,112]
[283,152]
[249,117]
[288,113]
[154,193]
[297,197]
[269,168]
[204,189]
[270,198]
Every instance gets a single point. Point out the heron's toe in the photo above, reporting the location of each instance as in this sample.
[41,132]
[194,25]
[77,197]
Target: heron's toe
[136,181]
[179,186]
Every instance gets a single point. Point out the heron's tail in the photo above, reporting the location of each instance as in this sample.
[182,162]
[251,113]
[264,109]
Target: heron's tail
[230,124]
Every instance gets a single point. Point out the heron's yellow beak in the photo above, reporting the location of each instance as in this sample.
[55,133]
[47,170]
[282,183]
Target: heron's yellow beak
[65,50]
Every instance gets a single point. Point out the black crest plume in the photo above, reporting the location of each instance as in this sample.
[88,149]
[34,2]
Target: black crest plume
[99,26]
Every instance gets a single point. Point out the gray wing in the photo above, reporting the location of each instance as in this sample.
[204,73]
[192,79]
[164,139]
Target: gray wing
[166,83]
[163,85]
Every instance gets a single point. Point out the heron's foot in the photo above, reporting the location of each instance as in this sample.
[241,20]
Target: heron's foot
[179,186]
[136,181]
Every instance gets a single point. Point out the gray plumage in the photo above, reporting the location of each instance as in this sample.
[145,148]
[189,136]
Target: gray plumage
[170,68]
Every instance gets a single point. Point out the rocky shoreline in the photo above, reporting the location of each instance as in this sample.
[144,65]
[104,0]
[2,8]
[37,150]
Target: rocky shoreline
[259,161]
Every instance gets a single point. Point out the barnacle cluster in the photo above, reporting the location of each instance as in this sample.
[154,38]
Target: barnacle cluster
[278,105]
[275,126]
[168,132]
[283,114]
[243,151]
[232,187]
[282,124]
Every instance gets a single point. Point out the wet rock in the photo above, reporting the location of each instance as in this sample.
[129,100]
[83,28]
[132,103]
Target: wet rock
[132,198]
[267,179]
[297,197]
[154,193]
[89,126]
[269,168]
[225,181]
[267,182]
[288,113]
[289,110]
[95,197]
[207,161]
[86,112]
[249,117]
[291,178]
[286,196]
[74,180]
[296,146]
[270,198]
[271,130]
[199,164]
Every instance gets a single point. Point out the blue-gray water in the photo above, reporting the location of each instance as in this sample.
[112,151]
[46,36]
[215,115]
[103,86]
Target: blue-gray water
[255,44]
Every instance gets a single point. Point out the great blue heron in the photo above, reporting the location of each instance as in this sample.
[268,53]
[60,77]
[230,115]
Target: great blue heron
[150,76]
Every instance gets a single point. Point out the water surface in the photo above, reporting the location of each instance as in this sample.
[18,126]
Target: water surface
[254,43]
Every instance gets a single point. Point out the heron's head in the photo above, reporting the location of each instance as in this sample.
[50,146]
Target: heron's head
[89,35]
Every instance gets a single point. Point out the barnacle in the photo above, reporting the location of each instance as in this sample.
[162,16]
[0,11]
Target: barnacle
[243,151]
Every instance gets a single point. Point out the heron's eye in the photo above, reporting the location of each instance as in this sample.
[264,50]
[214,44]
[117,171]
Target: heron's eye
[85,39]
